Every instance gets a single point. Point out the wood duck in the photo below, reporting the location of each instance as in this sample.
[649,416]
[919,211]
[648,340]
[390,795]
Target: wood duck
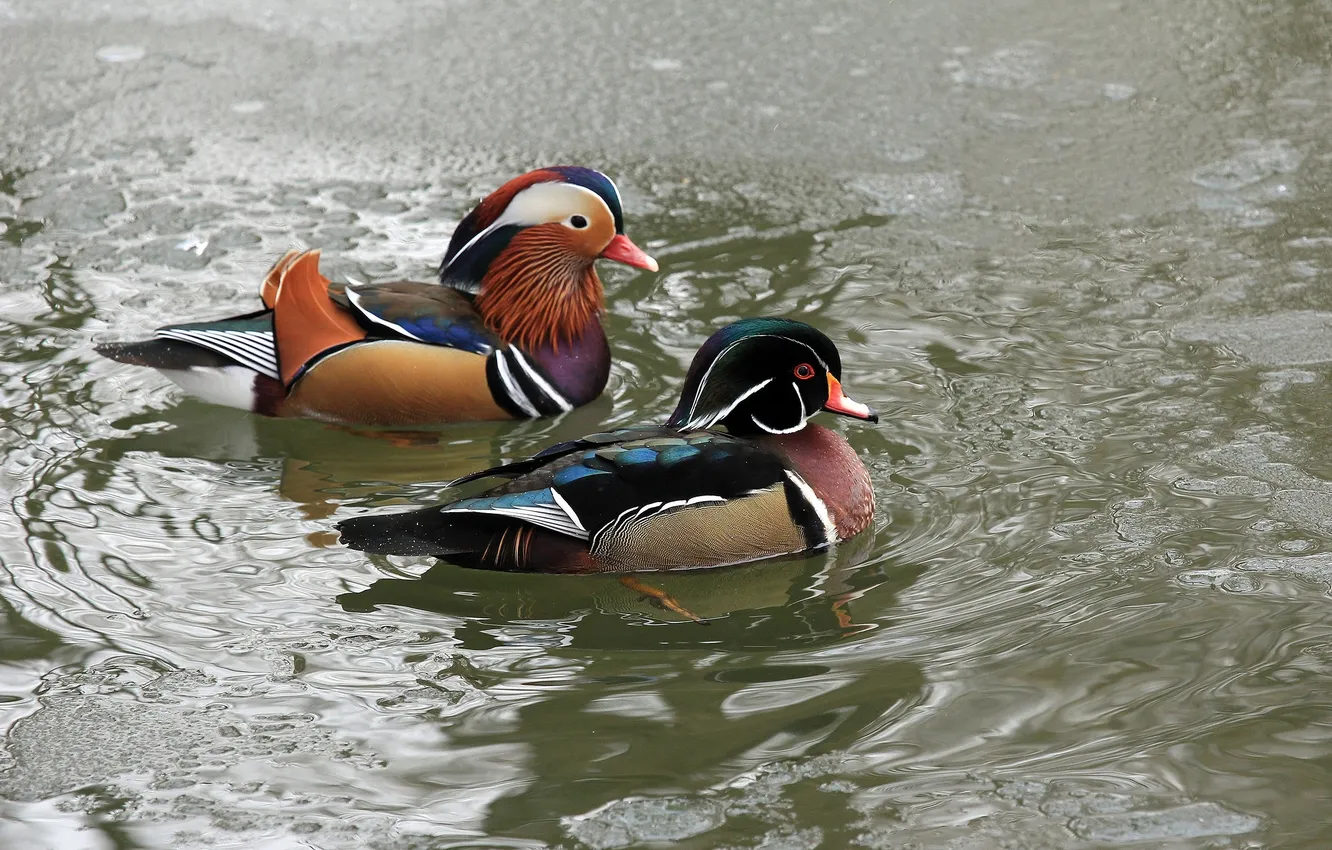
[514,330]
[678,496]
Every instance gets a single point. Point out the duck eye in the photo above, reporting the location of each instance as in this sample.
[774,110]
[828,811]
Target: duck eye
[578,222]
[804,371]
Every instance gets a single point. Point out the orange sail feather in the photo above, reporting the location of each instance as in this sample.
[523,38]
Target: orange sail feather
[306,322]
[268,291]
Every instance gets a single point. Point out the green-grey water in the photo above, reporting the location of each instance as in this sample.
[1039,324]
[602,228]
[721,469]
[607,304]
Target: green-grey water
[1076,253]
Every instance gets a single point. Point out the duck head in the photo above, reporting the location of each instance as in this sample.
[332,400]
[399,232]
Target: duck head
[764,376]
[527,253]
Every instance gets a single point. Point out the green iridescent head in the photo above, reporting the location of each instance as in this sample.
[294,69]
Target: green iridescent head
[764,376]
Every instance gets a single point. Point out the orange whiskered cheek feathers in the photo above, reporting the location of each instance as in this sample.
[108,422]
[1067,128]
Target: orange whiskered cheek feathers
[542,289]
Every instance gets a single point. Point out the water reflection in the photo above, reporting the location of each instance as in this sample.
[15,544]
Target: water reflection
[771,604]
[319,467]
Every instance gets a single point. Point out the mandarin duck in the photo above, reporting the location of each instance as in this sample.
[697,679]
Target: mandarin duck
[512,329]
[680,496]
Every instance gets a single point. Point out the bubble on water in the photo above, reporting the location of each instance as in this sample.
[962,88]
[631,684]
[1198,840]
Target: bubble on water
[1314,567]
[1224,579]
[665,64]
[1227,485]
[1256,163]
[632,821]
[248,107]
[800,839]
[1239,212]
[1283,379]
[1269,526]
[75,740]
[1019,67]
[1296,546]
[644,706]
[117,53]
[1239,583]
[91,730]
[1118,91]
[926,193]
[1310,509]
[1202,578]
[1196,820]
[1141,522]
[196,244]
[167,252]
[904,153]
[1277,339]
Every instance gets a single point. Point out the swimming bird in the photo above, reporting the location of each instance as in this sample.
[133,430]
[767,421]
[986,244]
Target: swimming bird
[684,495]
[511,330]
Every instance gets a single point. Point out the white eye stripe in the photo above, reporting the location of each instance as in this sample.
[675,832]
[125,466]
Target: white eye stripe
[537,204]
[698,394]
[712,419]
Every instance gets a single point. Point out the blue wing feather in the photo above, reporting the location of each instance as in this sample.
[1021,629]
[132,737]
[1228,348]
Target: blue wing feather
[578,487]
[425,312]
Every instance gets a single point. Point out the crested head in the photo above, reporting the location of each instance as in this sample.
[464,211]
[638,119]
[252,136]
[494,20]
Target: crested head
[764,375]
[527,252]
[493,205]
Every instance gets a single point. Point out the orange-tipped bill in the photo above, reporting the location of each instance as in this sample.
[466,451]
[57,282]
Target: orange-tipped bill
[839,402]
[622,250]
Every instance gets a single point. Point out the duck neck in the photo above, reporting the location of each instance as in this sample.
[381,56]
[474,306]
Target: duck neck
[579,368]
[833,471]
[537,293]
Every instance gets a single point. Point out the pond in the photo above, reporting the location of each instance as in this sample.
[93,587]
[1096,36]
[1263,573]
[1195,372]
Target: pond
[1075,254]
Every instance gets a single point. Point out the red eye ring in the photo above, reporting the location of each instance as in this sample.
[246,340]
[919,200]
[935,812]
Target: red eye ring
[804,371]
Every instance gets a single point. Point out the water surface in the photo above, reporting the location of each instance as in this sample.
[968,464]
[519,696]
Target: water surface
[1076,253]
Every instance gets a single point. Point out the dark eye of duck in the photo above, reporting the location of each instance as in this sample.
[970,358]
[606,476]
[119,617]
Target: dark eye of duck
[804,371]
[578,222]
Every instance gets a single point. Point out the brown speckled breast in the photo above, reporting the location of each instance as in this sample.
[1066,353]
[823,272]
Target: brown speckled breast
[833,469]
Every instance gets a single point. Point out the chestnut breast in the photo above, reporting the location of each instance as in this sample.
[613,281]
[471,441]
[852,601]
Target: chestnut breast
[833,470]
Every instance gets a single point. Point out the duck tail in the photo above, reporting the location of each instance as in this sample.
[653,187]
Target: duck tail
[468,540]
[268,290]
[422,532]
[162,354]
[306,322]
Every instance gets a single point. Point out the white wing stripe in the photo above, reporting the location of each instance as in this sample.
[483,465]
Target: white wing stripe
[631,516]
[564,506]
[541,382]
[553,517]
[515,392]
[355,300]
[253,349]
[816,504]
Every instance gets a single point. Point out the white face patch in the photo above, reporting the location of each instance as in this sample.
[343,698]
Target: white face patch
[542,203]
